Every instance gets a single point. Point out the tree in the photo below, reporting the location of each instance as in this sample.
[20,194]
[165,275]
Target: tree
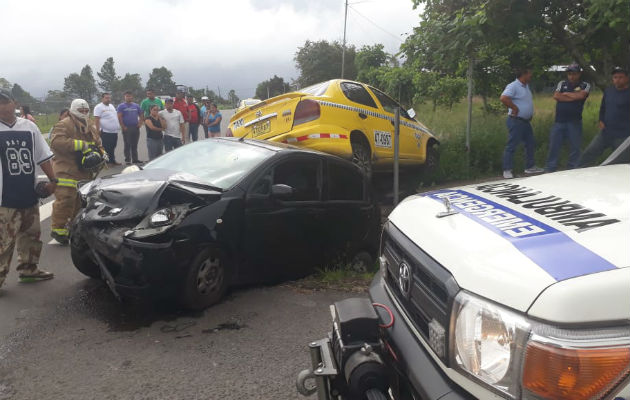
[108,77]
[81,85]
[369,58]
[130,82]
[4,84]
[161,81]
[321,61]
[23,97]
[271,87]
[233,98]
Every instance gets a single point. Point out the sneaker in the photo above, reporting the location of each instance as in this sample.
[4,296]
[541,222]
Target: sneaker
[128,162]
[507,174]
[114,163]
[36,276]
[61,239]
[534,170]
[139,162]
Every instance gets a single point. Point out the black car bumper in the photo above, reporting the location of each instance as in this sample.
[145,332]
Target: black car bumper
[414,366]
[137,268]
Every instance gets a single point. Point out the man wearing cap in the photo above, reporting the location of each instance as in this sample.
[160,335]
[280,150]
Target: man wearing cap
[22,148]
[570,96]
[174,134]
[73,139]
[206,105]
[149,102]
[614,118]
[518,99]
[193,118]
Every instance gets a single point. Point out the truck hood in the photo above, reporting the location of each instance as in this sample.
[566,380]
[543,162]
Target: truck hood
[133,195]
[511,240]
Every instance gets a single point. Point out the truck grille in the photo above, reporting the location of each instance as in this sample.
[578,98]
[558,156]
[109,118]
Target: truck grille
[432,288]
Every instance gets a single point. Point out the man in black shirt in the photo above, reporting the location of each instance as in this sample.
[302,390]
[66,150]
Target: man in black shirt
[570,96]
[614,118]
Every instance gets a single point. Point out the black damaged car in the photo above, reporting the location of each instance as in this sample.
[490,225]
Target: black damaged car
[222,212]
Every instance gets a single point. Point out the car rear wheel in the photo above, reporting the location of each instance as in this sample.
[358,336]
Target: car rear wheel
[207,280]
[79,253]
[431,162]
[362,156]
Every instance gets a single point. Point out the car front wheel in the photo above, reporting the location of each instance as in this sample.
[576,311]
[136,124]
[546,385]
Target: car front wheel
[207,280]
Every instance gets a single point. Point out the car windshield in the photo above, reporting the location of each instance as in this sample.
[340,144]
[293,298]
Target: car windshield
[220,163]
[317,89]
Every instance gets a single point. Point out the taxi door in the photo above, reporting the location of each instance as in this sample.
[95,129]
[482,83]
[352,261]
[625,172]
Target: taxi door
[410,140]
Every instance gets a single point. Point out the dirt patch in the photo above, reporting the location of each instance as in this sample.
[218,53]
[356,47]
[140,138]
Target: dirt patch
[349,282]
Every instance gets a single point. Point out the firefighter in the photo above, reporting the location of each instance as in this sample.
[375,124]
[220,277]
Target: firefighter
[79,156]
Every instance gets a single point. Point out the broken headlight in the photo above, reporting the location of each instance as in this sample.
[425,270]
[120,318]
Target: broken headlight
[160,221]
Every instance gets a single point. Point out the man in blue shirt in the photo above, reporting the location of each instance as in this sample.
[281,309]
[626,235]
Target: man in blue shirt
[518,99]
[570,96]
[130,116]
[614,118]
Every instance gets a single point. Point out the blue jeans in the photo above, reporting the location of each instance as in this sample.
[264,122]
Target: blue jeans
[110,140]
[154,147]
[601,142]
[193,131]
[171,142]
[564,130]
[518,131]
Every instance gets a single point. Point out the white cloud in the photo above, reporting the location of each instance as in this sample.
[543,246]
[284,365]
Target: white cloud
[226,43]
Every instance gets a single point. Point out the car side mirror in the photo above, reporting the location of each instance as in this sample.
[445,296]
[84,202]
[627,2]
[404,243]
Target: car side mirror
[281,191]
[412,113]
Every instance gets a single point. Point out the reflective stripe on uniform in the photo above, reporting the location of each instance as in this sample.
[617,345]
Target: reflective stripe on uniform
[61,231]
[67,182]
[78,145]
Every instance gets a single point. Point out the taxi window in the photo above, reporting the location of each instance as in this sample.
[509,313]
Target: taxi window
[344,183]
[388,103]
[357,93]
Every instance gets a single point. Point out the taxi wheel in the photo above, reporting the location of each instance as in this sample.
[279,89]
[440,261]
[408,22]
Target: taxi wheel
[207,280]
[81,259]
[432,161]
[361,156]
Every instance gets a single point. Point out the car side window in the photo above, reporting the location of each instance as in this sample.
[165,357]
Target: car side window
[388,103]
[302,176]
[357,93]
[263,185]
[344,183]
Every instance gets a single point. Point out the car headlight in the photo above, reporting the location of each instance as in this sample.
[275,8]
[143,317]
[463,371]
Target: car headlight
[521,358]
[160,221]
[163,217]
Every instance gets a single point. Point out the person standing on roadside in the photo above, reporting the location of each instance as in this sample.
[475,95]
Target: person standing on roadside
[193,118]
[22,148]
[180,105]
[25,112]
[154,125]
[174,133]
[130,116]
[106,121]
[614,118]
[202,116]
[518,99]
[570,96]
[150,101]
[213,120]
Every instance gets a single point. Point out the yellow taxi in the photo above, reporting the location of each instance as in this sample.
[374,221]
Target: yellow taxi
[346,118]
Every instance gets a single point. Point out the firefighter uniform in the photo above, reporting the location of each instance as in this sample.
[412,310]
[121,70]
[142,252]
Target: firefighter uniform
[71,138]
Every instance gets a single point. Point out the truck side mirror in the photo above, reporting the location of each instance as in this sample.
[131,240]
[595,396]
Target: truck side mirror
[411,112]
[281,191]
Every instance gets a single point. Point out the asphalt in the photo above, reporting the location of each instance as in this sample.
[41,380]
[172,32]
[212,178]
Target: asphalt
[69,338]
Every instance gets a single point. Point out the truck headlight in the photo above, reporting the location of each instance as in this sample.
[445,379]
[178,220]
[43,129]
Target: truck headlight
[521,358]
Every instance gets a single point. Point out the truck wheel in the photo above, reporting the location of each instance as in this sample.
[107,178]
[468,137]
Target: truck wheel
[362,157]
[207,280]
[81,258]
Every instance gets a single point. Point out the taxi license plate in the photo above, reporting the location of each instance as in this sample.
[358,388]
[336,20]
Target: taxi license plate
[262,128]
[383,139]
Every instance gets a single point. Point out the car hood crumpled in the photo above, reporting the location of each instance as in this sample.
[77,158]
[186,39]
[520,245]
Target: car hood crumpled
[510,241]
[133,195]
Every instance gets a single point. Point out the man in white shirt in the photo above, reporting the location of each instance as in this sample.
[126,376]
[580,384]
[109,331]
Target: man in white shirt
[174,135]
[107,124]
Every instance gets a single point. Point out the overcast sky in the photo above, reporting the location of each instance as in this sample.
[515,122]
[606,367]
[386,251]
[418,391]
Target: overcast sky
[231,44]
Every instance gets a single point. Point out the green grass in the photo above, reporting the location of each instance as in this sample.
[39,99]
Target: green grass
[489,135]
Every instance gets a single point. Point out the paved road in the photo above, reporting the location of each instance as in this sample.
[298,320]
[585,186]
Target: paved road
[68,338]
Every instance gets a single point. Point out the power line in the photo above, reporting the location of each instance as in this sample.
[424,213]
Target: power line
[375,24]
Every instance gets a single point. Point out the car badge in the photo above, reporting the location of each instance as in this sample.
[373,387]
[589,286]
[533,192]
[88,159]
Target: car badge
[449,209]
[404,279]
[259,113]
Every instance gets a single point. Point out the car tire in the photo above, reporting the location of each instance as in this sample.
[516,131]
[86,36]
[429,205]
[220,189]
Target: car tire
[431,162]
[362,156]
[362,262]
[207,280]
[81,259]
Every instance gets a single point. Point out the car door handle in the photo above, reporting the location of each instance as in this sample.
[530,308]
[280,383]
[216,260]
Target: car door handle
[362,116]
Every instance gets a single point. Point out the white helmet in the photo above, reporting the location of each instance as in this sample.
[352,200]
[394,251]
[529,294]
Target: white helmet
[79,104]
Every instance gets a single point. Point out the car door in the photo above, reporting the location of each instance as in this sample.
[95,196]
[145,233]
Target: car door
[283,235]
[348,210]
[410,140]
[363,115]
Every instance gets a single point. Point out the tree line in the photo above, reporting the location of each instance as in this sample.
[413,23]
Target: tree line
[495,36]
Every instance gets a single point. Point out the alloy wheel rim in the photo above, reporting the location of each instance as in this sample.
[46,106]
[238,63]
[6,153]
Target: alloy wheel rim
[361,158]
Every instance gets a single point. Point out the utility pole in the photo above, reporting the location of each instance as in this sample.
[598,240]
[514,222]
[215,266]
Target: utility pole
[471,63]
[343,48]
[267,91]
